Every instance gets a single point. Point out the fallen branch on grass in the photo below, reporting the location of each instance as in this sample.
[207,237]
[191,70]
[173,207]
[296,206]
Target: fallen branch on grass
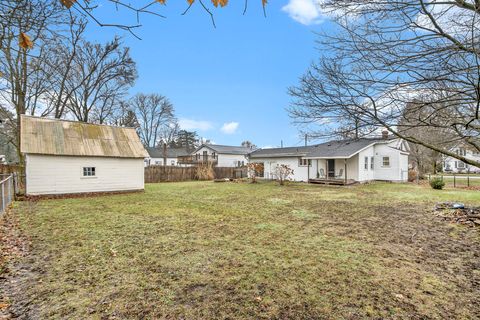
[458,213]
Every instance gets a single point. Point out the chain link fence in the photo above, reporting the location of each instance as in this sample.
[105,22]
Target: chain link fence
[7,191]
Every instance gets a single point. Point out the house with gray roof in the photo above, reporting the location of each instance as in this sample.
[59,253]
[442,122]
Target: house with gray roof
[218,155]
[168,156]
[340,161]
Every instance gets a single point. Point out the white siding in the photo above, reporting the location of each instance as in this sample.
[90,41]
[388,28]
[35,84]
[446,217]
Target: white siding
[454,165]
[159,162]
[63,174]
[367,174]
[398,169]
[299,172]
[224,160]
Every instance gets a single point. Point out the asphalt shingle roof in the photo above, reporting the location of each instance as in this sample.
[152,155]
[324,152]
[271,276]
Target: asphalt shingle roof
[171,152]
[331,149]
[227,149]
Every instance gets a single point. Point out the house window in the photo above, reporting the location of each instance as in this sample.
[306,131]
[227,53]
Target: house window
[386,162]
[304,162]
[213,155]
[461,164]
[89,171]
[366,163]
[461,152]
[371,163]
[173,162]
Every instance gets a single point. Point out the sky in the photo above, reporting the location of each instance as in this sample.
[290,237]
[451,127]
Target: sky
[228,83]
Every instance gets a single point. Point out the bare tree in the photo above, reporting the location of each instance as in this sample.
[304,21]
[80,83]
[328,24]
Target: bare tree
[386,54]
[154,112]
[20,84]
[105,73]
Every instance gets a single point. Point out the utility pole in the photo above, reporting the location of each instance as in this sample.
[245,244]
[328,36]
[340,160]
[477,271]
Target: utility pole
[306,139]
[281,143]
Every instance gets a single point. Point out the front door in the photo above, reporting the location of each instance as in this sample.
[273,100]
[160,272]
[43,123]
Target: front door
[205,156]
[331,168]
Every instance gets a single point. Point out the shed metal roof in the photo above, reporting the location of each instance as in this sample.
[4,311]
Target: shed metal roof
[71,138]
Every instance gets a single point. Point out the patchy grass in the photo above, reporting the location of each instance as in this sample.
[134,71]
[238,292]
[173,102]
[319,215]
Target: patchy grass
[200,250]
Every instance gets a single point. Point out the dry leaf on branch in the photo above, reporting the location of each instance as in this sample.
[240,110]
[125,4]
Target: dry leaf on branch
[68,3]
[24,41]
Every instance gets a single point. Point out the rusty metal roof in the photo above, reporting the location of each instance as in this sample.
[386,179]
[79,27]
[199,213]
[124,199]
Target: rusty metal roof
[71,138]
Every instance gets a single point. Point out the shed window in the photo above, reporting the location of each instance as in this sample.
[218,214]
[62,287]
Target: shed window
[366,163]
[89,171]
[371,163]
[386,162]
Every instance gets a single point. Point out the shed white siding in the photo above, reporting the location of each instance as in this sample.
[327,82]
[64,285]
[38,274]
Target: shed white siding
[46,174]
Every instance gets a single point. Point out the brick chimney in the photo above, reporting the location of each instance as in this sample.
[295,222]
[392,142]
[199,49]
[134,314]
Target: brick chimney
[385,134]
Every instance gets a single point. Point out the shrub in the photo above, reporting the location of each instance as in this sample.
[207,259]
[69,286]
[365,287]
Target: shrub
[205,172]
[437,183]
[254,170]
[283,172]
[412,175]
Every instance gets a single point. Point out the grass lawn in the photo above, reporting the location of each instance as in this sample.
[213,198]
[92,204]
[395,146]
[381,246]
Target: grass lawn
[204,250]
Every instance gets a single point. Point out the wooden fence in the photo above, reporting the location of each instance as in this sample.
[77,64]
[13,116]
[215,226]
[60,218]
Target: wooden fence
[154,174]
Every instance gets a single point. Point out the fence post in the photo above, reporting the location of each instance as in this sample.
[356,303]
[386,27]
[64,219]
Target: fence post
[10,189]
[468,180]
[3,197]
[454,181]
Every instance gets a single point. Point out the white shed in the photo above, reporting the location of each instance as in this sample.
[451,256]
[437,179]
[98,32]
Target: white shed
[66,157]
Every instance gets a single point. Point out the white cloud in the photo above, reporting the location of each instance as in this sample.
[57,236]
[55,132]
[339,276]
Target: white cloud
[230,127]
[189,124]
[306,12]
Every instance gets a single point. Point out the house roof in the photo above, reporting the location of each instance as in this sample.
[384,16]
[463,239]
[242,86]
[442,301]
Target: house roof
[331,149]
[226,149]
[171,152]
[71,138]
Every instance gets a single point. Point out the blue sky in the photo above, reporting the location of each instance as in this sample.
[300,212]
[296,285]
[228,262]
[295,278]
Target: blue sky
[228,83]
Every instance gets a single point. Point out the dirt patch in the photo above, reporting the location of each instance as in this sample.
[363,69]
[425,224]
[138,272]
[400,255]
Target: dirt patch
[15,277]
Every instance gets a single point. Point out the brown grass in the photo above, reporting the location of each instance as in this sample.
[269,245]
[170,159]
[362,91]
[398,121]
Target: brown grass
[200,250]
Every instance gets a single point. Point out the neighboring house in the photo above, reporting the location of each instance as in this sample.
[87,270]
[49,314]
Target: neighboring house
[345,161]
[157,156]
[453,165]
[218,155]
[64,157]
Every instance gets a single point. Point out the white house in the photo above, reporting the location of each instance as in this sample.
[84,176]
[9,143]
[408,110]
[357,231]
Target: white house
[457,166]
[221,156]
[157,156]
[64,157]
[342,161]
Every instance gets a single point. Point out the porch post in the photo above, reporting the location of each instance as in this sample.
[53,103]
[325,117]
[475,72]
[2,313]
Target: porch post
[345,171]
[308,170]
[326,171]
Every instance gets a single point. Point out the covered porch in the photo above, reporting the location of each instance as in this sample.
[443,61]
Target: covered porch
[334,171]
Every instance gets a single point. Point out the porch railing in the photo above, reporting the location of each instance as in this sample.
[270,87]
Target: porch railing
[7,192]
[195,159]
